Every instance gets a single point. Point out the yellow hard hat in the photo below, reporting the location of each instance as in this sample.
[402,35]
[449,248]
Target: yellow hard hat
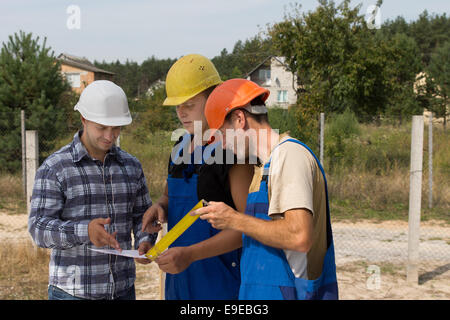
[189,76]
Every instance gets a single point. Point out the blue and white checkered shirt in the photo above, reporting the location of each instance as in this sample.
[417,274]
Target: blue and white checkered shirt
[70,189]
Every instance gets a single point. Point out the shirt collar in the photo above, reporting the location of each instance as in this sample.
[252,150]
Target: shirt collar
[80,150]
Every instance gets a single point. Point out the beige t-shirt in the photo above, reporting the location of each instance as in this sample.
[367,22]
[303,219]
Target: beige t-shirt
[296,182]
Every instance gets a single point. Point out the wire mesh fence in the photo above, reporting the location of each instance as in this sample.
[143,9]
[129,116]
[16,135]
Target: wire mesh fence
[367,171]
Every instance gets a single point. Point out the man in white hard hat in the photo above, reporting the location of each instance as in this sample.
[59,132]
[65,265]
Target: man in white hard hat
[89,194]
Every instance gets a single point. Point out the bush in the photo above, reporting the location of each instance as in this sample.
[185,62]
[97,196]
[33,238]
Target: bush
[283,120]
[149,114]
[382,149]
[340,134]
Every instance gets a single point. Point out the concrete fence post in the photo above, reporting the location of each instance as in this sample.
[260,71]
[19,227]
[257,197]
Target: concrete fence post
[430,162]
[415,198]
[24,154]
[32,162]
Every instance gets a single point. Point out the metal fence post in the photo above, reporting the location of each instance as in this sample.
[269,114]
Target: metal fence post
[32,162]
[415,197]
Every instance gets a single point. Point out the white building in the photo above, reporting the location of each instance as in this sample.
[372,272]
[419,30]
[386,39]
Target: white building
[274,74]
[158,84]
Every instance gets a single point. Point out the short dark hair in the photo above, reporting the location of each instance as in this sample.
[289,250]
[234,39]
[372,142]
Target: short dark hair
[209,90]
[259,118]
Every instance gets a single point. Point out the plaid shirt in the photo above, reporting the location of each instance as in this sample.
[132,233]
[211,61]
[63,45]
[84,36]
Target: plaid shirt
[70,190]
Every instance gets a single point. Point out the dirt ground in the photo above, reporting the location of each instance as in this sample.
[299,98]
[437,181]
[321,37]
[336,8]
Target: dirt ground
[13,226]
[353,280]
[370,258]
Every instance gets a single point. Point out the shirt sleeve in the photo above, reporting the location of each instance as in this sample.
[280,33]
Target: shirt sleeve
[291,177]
[45,225]
[143,202]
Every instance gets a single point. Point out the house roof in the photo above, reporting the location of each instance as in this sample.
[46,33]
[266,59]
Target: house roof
[258,66]
[81,63]
[279,59]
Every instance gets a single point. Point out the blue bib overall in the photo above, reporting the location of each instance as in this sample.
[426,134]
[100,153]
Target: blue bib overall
[215,278]
[265,271]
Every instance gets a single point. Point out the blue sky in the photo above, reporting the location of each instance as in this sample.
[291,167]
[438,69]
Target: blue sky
[112,29]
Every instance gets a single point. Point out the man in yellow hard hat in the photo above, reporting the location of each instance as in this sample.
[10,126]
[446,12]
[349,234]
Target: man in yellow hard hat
[288,250]
[203,263]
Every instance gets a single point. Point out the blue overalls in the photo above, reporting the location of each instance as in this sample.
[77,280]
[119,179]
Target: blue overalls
[215,278]
[265,271]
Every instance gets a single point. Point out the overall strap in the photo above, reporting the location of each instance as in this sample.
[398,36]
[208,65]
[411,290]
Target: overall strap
[177,153]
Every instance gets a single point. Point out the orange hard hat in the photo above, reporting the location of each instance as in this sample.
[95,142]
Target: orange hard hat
[230,95]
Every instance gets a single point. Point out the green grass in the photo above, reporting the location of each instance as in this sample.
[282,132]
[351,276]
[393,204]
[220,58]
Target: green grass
[368,176]
[153,151]
[345,209]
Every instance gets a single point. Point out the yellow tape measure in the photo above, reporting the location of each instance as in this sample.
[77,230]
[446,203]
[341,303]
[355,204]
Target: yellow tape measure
[175,232]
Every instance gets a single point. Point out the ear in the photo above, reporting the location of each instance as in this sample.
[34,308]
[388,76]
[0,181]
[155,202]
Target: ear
[83,121]
[239,120]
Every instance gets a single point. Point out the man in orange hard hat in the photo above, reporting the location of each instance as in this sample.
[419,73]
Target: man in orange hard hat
[288,250]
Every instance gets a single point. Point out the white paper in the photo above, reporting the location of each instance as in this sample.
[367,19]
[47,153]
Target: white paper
[125,253]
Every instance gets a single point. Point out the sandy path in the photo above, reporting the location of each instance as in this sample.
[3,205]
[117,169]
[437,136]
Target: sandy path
[365,248]
[388,241]
[13,226]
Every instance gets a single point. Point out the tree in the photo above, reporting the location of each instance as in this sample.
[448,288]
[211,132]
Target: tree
[134,78]
[342,64]
[333,58]
[30,79]
[244,57]
[392,27]
[439,81]
[152,70]
[403,63]
[430,32]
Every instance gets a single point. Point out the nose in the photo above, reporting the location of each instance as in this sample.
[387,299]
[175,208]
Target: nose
[181,110]
[109,135]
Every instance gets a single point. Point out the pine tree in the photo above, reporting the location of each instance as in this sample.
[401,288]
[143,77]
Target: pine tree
[439,81]
[30,79]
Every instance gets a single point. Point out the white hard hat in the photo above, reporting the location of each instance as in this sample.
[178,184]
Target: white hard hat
[105,103]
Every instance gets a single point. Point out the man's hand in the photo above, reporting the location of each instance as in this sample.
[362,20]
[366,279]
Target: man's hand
[218,214]
[98,235]
[153,219]
[175,260]
[142,249]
